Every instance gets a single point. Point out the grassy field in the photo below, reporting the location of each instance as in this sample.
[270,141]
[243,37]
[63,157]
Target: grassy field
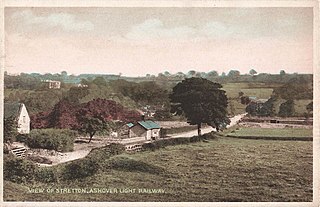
[266,132]
[259,90]
[249,89]
[224,169]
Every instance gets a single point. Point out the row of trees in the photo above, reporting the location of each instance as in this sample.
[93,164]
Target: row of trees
[98,115]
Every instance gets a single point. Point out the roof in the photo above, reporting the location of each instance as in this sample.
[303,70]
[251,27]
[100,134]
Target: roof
[149,124]
[130,125]
[12,109]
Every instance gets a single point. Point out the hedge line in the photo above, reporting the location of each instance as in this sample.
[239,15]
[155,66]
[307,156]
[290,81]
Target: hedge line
[53,139]
[20,170]
[176,141]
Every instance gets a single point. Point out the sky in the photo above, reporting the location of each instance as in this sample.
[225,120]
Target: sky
[140,41]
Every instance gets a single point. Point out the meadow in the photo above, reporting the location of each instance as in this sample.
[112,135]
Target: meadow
[271,132]
[222,169]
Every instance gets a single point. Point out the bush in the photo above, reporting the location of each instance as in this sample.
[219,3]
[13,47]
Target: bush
[18,170]
[52,139]
[22,137]
[287,109]
[176,141]
[80,169]
[94,161]
[47,175]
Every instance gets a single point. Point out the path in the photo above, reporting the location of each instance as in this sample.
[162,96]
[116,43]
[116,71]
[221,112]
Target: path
[82,150]
[233,121]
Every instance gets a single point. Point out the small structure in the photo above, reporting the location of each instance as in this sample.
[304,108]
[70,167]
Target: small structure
[53,84]
[125,130]
[148,129]
[19,113]
[80,85]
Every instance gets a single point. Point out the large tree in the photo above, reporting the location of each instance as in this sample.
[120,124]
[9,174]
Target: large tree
[200,101]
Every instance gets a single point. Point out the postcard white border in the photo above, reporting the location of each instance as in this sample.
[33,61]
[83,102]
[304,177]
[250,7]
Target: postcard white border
[174,3]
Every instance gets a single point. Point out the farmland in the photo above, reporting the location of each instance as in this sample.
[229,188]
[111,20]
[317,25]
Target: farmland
[223,169]
[271,132]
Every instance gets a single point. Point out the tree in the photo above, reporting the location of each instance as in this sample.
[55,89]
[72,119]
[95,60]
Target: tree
[9,129]
[191,73]
[252,72]
[91,125]
[212,74]
[287,108]
[282,72]
[200,101]
[309,107]
[234,73]
[98,115]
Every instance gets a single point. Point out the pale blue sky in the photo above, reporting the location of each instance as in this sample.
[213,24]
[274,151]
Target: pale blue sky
[136,41]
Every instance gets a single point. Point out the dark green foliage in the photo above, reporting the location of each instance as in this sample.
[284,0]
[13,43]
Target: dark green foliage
[245,100]
[10,130]
[177,141]
[267,108]
[47,175]
[146,92]
[162,115]
[52,139]
[252,72]
[200,101]
[300,87]
[75,94]
[23,81]
[80,169]
[287,109]
[18,170]
[92,125]
[22,137]
[253,108]
[92,163]
[106,152]
[309,107]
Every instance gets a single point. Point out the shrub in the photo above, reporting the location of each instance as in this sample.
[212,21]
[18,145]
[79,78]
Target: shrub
[52,139]
[176,141]
[22,137]
[80,169]
[94,161]
[46,175]
[18,170]
[286,109]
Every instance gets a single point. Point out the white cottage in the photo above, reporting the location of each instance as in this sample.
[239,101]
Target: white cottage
[19,113]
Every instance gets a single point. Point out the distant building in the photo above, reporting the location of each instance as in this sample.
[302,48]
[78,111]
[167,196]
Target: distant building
[19,113]
[82,85]
[148,129]
[53,84]
[125,130]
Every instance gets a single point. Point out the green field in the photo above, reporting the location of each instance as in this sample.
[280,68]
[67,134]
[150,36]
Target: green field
[258,90]
[266,132]
[224,169]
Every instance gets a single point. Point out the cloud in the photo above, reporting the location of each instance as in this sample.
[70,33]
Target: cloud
[155,29]
[65,21]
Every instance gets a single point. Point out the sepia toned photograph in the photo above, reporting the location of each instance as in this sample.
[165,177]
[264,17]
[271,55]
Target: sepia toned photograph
[158,104]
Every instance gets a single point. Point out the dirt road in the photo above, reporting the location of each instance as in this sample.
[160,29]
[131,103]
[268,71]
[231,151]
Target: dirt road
[233,121]
[82,150]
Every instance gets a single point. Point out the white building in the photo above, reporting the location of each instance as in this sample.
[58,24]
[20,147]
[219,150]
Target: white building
[19,113]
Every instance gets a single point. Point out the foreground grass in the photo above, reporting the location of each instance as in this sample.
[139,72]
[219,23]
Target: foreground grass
[266,132]
[225,169]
